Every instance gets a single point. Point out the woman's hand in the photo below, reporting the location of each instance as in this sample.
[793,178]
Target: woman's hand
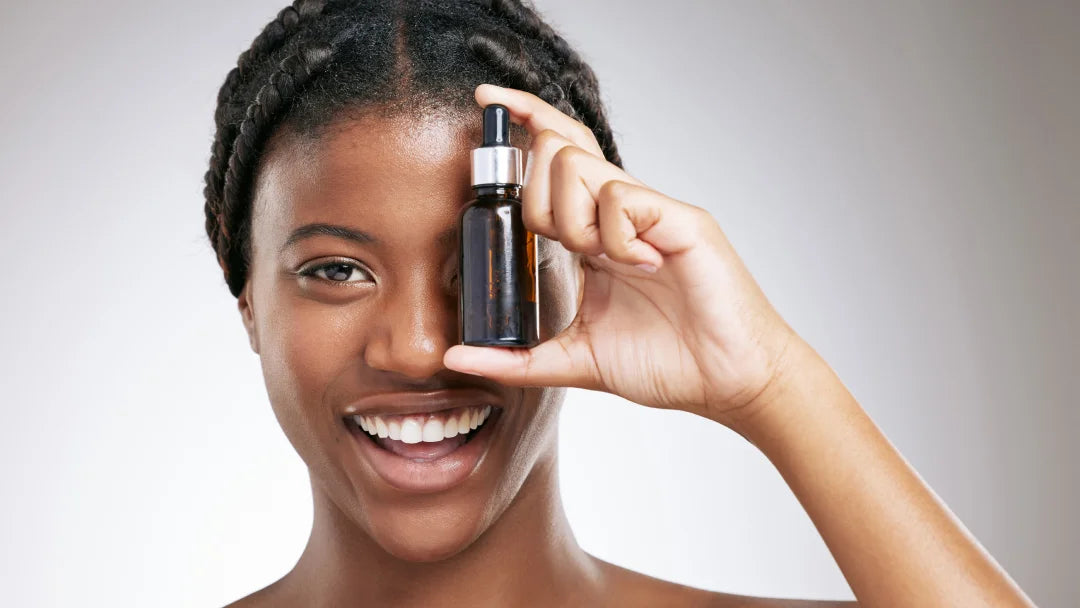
[669,316]
[699,335]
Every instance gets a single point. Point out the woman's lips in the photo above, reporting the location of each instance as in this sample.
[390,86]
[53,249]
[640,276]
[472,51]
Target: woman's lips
[437,474]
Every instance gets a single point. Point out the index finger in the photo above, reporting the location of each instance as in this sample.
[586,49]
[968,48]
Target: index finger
[536,115]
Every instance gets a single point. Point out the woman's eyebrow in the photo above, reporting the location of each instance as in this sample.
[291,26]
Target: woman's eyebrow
[444,239]
[341,232]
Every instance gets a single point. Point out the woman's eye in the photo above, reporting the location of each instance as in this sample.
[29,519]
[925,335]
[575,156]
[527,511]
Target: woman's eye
[335,272]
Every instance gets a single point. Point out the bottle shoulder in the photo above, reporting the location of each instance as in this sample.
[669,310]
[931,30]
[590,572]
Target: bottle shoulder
[490,203]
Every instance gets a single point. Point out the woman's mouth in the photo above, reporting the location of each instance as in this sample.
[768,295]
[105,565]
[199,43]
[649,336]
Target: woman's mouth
[425,452]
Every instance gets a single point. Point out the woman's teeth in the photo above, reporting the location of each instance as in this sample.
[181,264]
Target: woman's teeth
[425,427]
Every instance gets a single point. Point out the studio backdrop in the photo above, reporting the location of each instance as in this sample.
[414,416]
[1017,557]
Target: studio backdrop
[901,179]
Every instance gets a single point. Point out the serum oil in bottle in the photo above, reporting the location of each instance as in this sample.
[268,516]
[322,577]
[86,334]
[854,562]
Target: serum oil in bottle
[498,279]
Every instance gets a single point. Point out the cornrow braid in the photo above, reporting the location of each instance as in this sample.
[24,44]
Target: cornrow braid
[575,79]
[509,54]
[272,37]
[271,100]
[387,54]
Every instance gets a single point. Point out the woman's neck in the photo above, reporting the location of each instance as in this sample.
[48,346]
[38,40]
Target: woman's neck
[527,556]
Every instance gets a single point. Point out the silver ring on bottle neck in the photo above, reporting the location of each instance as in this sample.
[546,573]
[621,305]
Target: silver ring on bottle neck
[496,165]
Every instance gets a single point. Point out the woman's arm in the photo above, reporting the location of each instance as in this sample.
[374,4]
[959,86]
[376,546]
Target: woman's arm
[895,541]
[670,317]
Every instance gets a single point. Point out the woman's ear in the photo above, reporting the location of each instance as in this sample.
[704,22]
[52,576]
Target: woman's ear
[247,314]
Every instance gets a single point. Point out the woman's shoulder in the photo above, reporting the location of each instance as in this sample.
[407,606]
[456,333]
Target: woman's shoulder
[630,588]
[269,596]
[623,587]
[257,599]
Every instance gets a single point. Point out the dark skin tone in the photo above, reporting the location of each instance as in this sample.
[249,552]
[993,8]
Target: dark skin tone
[323,344]
[642,296]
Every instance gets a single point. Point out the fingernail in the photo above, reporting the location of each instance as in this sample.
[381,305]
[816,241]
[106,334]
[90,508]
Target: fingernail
[646,267]
[603,255]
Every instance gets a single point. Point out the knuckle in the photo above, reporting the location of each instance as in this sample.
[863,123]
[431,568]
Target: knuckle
[546,138]
[593,243]
[578,240]
[566,157]
[613,190]
[571,241]
[607,204]
[701,215]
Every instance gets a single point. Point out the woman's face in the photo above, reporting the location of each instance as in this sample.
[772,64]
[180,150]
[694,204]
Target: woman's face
[382,324]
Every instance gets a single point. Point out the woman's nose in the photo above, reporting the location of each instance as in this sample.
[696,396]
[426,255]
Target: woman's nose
[419,323]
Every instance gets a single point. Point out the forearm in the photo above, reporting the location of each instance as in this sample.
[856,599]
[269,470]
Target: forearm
[892,537]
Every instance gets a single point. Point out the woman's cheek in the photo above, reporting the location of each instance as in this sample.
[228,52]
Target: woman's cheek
[558,294]
[303,353]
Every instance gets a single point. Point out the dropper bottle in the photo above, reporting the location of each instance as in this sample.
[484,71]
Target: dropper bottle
[498,280]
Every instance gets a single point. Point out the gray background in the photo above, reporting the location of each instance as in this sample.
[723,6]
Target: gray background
[902,179]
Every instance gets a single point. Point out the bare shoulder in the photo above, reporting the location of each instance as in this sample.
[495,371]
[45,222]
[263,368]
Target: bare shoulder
[258,599]
[629,588]
[269,596]
[623,587]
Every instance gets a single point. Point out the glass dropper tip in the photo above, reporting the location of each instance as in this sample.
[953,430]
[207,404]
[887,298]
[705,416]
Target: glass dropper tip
[496,125]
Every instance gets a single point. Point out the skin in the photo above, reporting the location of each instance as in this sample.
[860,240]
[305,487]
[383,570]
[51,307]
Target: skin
[694,334]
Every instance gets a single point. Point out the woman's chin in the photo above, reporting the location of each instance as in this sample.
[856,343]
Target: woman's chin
[427,538]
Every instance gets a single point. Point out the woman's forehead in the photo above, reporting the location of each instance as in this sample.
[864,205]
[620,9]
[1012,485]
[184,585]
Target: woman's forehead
[375,170]
[382,152]
[400,178]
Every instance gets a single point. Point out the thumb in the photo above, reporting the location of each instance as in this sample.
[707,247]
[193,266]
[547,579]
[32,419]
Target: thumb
[559,361]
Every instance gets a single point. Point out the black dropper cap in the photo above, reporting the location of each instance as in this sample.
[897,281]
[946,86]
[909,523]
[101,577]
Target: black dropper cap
[496,161]
[496,125]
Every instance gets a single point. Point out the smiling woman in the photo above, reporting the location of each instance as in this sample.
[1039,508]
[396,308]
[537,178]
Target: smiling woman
[339,168]
[337,178]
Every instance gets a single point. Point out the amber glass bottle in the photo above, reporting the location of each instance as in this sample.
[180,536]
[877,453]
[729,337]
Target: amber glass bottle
[498,279]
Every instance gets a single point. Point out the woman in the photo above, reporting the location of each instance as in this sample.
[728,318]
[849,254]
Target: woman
[339,168]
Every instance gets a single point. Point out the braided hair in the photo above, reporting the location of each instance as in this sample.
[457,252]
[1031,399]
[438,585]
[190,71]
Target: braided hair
[319,61]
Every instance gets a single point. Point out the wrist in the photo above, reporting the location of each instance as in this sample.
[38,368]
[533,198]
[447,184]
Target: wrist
[802,388]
